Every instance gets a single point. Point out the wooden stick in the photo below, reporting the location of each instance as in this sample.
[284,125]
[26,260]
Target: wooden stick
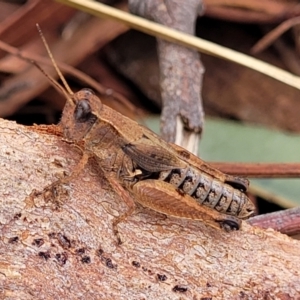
[46,249]
[286,221]
[259,170]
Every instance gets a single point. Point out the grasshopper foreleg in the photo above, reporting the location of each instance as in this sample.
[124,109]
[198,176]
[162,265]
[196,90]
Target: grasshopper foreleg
[51,192]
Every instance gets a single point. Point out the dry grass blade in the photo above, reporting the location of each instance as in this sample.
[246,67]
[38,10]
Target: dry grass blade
[163,32]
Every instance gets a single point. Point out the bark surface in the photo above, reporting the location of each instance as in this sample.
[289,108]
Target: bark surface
[65,249]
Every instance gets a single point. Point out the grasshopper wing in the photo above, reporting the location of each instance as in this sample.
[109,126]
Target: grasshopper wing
[152,157]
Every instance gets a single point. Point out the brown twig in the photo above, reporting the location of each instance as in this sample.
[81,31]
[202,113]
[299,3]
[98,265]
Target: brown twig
[19,27]
[261,12]
[71,52]
[274,34]
[260,170]
[180,71]
[288,56]
[286,221]
[83,77]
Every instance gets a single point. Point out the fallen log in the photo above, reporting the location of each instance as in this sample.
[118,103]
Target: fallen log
[66,249]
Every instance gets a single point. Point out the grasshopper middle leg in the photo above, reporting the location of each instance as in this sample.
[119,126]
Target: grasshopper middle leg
[127,199]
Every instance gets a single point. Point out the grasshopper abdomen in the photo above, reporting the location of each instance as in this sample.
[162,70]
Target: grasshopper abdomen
[208,191]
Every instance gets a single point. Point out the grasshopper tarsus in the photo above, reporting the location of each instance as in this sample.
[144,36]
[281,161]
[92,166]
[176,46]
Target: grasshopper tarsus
[48,194]
[230,225]
[117,234]
[53,193]
[119,220]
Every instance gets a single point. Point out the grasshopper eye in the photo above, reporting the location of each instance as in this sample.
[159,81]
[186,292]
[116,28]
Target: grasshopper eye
[88,91]
[83,111]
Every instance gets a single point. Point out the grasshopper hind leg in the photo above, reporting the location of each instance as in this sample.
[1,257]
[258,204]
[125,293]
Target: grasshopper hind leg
[162,197]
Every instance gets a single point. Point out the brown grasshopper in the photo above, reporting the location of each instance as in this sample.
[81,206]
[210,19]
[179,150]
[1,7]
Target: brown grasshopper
[156,174]
[143,168]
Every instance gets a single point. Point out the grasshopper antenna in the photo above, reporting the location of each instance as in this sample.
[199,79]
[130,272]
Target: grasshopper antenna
[19,54]
[52,80]
[68,89]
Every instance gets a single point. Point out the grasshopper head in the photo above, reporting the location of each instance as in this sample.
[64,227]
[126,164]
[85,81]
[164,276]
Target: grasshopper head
[79,115]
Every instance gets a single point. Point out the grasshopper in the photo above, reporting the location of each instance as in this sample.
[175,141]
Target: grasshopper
[144,168]
[141,167]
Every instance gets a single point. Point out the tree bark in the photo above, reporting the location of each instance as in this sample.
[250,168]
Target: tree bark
[66,249]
